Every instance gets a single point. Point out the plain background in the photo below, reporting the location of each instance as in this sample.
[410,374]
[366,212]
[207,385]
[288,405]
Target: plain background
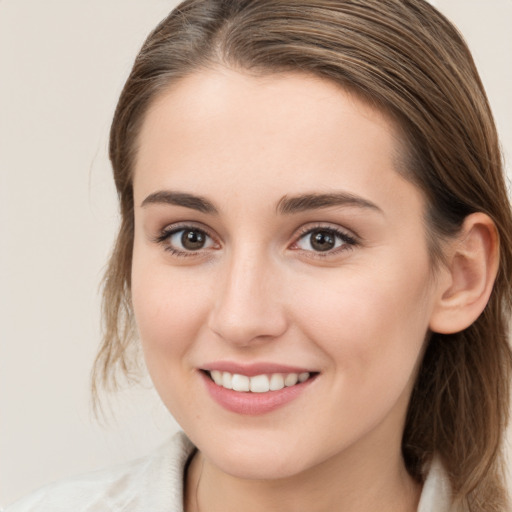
[62,66]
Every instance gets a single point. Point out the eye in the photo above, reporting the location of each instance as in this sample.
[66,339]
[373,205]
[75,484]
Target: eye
[323,240]
[185,240]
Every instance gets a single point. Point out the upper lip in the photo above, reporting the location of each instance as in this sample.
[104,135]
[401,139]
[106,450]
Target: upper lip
[250,370]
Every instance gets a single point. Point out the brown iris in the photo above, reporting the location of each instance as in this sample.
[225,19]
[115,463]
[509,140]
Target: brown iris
[193,240]
[322,240]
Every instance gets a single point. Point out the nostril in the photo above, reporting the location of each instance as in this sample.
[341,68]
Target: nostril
[245,328]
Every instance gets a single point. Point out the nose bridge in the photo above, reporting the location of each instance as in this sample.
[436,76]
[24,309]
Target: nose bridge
[248,305]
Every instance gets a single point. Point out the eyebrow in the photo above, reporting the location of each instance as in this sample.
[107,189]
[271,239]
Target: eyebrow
[306,202]
[191,201]
[287,205]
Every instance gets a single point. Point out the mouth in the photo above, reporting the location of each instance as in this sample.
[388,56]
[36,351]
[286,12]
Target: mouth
[256,388]
[263,383]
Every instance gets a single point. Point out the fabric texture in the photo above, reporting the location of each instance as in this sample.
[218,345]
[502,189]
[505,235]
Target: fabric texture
[155,484]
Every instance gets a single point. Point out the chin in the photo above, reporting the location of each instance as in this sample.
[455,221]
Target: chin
[257,457]
[270,467]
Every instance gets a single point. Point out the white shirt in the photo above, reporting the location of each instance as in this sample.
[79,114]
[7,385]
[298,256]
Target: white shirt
[155,484]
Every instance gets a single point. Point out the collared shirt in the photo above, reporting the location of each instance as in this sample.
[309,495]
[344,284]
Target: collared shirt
[155,484]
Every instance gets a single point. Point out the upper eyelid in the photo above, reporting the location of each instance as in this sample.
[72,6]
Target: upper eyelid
[350,239]
[179,226]
[163,239]
[163,234]
[297,234]
[336,228]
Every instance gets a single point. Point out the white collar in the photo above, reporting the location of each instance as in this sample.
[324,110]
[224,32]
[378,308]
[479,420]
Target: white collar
[436,494]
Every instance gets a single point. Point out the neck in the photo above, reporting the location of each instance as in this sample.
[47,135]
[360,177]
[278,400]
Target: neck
[350,482]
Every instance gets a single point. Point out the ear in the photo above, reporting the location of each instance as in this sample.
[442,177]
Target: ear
[465,283]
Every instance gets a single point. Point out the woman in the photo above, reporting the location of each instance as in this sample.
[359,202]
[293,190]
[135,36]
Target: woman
[314,252]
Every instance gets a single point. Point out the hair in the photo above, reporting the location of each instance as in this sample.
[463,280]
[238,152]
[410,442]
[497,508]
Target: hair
[406,59]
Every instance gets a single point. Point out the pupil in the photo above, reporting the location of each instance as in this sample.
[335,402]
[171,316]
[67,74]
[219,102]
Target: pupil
[193,240]
[322,241]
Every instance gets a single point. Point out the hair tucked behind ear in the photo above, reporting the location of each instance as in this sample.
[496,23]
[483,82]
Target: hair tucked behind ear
[406,59]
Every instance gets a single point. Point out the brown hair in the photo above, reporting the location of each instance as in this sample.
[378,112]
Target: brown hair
[406,59]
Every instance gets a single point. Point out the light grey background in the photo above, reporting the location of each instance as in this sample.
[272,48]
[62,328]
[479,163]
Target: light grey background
[62,66]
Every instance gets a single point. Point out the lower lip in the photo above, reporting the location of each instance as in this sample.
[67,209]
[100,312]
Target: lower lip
[253,403]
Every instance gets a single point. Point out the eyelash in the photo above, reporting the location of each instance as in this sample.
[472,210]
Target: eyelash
[348,241]
[164,236]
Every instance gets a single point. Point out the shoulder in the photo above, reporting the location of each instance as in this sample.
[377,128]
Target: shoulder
[154,482]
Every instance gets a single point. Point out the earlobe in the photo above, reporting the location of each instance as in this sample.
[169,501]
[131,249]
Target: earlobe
[469,275]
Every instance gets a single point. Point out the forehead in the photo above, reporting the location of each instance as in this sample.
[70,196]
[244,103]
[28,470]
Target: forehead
[287,131]
[268,101]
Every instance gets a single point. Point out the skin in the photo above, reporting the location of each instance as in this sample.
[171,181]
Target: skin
[257,291]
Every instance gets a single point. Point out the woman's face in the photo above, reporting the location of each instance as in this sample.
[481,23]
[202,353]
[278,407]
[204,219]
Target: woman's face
[275,240]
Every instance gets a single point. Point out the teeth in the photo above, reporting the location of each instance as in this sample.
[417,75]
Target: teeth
[303,376]
[291,379]
[227,379]
[240,382]
[258,383]
[217,377]
[276,382]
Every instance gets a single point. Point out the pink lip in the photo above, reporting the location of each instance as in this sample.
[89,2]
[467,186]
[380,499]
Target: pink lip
[254,403]
[250,370]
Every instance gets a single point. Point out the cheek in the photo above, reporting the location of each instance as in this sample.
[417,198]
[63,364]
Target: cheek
[169,316]
[372,325]
[168,311]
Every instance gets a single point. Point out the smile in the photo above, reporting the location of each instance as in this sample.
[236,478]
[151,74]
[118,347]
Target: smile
[257,383]
[256,389]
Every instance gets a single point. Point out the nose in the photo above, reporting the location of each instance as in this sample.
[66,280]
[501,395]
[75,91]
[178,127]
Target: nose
[248,307]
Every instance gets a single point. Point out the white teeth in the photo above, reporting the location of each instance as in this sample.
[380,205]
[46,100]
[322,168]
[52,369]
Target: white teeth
[276,382]
[258,383]
[227,380]
[291,379]
[240,382]
[217,377]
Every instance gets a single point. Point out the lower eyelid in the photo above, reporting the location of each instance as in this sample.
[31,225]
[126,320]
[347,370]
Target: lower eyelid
[342,235]
[348,241]
[164,239]
[170,230]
